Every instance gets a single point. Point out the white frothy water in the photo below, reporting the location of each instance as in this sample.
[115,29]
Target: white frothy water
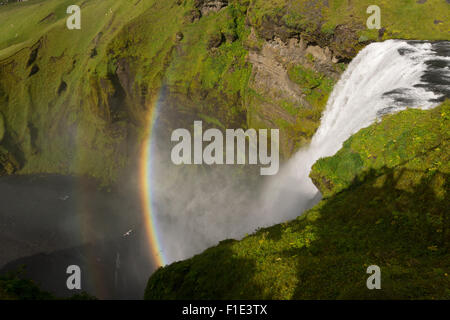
[381,79]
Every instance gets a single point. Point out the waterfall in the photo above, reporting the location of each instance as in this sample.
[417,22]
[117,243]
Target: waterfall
[384,77]
[195,208]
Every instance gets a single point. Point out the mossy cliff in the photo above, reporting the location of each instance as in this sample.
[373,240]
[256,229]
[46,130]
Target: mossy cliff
[386,204]
[76,101]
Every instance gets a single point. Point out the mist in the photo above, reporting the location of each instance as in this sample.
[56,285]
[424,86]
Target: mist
[197,206]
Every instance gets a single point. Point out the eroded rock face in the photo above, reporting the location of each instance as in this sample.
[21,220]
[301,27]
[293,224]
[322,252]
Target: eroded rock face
[270,80]
[322,54]
[270,70]
[207,6]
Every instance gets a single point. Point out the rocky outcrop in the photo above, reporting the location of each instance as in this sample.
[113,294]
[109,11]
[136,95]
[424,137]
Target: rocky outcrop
[207,6]
[342,41]
[271,82]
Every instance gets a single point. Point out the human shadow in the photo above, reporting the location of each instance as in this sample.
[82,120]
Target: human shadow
[394,218]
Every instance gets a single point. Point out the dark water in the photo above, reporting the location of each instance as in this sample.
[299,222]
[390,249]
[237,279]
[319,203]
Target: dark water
[49,222]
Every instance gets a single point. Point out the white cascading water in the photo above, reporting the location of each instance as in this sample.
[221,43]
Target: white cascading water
[383,78]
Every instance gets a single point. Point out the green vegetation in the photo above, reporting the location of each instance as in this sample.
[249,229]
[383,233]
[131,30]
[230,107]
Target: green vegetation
[14,286]
[391,212]
[317,87]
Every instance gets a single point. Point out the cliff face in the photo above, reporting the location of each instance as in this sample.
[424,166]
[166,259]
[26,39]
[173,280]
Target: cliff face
[289,87]
[76,101]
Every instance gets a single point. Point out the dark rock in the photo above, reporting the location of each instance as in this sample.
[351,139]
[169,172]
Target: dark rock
[179,36]
[231,36]
[93,52]
[62,87]
[381,33]
[34,70]
[215,40]
[272,27]
[33,56]
[344,41]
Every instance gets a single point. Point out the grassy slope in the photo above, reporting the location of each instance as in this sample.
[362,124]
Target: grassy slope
[392,212]
[85,128]
[50,131]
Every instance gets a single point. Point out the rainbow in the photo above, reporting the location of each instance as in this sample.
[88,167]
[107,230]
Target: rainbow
[145,174]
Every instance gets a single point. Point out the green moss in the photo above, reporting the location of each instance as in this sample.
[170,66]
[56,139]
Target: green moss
[316,87]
